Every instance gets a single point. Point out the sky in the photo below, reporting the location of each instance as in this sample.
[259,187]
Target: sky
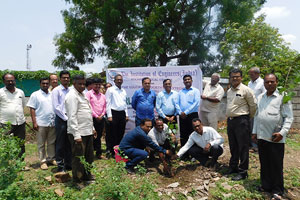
[36,22]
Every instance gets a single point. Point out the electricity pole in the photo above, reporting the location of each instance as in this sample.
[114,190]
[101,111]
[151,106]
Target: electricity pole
[27,56]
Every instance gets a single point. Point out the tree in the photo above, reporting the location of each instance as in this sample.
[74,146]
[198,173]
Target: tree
[257,44]
[142,33]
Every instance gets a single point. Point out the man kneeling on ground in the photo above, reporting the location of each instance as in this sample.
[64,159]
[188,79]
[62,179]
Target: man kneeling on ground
[134,143]
[203,143]
[162,136]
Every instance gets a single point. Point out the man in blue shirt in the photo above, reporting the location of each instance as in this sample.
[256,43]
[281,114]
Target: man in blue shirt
[189,100]
[63,153]
[143,102]
[167,103]
[134,143]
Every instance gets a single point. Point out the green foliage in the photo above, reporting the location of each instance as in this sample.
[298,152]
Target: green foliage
[35,75]
[173,128]
[292,178]
[142,33]
[257,44]
[10,163]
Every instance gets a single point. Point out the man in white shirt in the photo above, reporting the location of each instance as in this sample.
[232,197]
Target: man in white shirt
[211,98]
[12,103]
[257,85]
[162,135]
[117,114]
[272,122]
[80,129]
[203,143]
[43,116]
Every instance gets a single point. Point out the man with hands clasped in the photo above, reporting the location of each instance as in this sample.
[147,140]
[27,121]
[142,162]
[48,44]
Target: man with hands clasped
[272,122]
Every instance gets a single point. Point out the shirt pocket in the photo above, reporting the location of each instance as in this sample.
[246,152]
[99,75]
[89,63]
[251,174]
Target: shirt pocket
[190,98]
[238,100]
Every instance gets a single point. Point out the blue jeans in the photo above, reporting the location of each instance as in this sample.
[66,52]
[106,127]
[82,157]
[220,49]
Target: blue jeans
[136,156]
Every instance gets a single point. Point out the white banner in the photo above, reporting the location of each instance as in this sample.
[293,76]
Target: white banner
[132,81]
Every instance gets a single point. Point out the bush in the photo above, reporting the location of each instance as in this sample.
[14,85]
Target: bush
[10,163]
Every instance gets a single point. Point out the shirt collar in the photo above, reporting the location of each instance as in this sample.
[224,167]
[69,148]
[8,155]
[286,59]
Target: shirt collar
[5,89]
[216,85]
[238,87]
[93,91]
[171,92]
[191,88]
[256,80]
[63,88]
[275,93]
[44,92]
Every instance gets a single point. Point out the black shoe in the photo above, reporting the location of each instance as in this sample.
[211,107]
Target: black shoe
[240,176]
[130,170]
[210,163]
[232,171]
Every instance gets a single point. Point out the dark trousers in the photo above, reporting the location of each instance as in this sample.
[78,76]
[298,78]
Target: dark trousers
[186,127]
[166,121]
[98,125]
[19,132]
[238,130]
[136,156]
[63,154]
[199,154]
[108,136]
[85,149]
[117,127]
[271,164]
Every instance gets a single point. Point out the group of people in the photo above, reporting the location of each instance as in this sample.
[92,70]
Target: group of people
[71,121]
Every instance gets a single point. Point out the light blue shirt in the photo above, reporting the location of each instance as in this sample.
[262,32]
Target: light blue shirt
[58,101]
[167,103]
[189,100]
[272,116]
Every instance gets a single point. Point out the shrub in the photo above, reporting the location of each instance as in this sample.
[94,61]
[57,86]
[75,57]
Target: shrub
[10,163]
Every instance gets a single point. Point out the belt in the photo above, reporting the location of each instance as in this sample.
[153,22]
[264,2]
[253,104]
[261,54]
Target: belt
[232,118]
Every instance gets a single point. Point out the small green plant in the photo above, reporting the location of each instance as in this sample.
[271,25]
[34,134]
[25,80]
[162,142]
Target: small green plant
[173,128]
[140,169]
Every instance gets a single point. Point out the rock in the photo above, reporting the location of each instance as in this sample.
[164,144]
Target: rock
[204,198]
[227,195]
[207,176]
[189,198]
[199,188]
[216,179]
[49,179]
[59,192]
[173,185]
[206,182]
[159,193]
[238,187]
[173,197]
[206,187]
[226,186]
[212,185]
[62,177]
[185,192]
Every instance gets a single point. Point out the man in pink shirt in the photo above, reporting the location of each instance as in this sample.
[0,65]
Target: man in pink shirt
[98,104]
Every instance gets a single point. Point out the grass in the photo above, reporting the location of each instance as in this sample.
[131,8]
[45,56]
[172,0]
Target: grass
[112,182]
